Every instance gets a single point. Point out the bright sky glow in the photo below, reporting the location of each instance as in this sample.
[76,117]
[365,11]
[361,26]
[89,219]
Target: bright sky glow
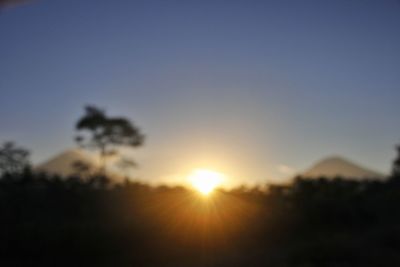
[205,181]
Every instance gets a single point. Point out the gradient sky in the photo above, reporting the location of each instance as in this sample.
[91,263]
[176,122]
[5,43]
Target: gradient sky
[242,87]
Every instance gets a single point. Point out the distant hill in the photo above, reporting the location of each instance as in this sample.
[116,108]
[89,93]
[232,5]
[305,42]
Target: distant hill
[338,166]
[63,163]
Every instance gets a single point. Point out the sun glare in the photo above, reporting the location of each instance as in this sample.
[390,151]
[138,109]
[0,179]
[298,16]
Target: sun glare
[205,181]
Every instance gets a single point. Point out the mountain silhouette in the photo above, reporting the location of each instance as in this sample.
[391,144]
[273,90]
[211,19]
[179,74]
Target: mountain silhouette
[63,163]
[334,166]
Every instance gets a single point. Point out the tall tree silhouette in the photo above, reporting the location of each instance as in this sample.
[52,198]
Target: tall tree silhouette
[13,159]
[106,134]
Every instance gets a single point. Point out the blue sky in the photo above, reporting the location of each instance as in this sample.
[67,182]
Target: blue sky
[237,86]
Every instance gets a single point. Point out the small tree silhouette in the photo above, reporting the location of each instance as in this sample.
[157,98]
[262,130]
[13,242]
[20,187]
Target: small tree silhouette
[396,164]
[106,134]
[13,159]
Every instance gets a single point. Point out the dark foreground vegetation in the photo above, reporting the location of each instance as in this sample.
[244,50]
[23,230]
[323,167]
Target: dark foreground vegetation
[49,221]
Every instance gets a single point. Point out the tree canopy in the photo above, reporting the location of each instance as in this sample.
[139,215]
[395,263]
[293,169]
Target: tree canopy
[106,134]
[13,159]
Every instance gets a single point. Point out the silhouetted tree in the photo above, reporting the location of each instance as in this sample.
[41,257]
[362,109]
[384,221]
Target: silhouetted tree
[13,159]
[106,134]
[396,164]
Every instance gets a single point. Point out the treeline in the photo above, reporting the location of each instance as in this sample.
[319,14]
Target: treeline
[54,221]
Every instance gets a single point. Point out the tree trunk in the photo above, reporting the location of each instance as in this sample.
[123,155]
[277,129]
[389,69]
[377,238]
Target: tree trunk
[103,161]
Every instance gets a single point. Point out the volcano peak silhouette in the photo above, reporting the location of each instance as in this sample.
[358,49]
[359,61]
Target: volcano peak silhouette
[63,163]
[335,166]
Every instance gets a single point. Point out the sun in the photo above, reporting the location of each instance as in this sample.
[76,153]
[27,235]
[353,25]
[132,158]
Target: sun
[205,181]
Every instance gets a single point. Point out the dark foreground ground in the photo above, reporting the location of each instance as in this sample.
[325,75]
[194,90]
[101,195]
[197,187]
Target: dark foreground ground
[47,221]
